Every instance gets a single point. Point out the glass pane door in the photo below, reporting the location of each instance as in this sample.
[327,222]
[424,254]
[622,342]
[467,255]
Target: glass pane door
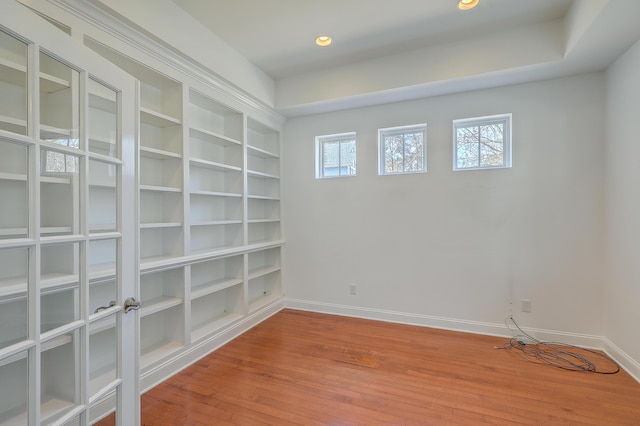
[67,347]
[17,254]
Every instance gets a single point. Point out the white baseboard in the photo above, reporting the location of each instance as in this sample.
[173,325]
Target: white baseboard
[198,350]
[630,365]
[399,317]
[492,329]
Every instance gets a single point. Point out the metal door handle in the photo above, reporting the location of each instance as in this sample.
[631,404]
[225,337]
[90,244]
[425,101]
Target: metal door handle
[131,304]
[102,308]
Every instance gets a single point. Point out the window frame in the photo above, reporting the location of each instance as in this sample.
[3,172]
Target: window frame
[319,153]
[401,130]
[506,119]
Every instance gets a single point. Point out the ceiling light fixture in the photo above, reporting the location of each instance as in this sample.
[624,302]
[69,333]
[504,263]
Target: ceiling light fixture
[467,4]
[323,41]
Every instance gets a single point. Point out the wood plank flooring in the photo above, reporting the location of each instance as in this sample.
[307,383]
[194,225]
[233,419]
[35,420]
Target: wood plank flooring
[303,368]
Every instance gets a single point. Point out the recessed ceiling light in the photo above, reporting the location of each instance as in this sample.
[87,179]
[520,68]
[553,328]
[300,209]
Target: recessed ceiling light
[467,4]
[323,41]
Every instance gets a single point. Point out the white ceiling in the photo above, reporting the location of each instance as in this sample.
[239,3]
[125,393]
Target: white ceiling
[394,50]
[278,35]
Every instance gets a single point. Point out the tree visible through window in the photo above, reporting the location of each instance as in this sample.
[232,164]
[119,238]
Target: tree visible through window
[482,142]
[58,162]
[402,149]
[336,155]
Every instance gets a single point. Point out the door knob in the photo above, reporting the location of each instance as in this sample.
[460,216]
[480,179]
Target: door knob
[131,304]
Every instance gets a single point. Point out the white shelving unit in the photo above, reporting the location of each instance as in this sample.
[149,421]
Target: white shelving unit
[162,324]
[215,175]
[263,280]
[161,290]
[210,213]
[216,294]
[160,169]
[263,183]
[162,334]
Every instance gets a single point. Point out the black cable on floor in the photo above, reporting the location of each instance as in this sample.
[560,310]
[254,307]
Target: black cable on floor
[555,354]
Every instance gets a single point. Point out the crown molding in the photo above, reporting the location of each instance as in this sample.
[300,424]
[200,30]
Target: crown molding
[125,32]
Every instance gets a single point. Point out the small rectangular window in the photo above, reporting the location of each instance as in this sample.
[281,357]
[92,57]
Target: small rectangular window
[482,143]
[336,155]
[402,149]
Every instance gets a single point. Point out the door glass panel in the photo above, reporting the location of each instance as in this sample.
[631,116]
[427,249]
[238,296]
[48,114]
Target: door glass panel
[102,273]
[14,311]
[103,354]
[13,84]
[73,422]
[59,193]
[14,211]
[59,102]
[14,401]
[101,293]
[102,197]
[59,299]
[103,119]
[60,363]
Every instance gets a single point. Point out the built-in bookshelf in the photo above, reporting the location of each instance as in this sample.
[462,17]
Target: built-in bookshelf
[263,183]
[216,294]
[160,168]
[209,212]
[264,276]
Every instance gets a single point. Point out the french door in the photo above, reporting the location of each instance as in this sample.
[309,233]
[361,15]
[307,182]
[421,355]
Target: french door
[68,327]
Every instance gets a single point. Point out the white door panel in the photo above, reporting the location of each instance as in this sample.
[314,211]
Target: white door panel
[68,351]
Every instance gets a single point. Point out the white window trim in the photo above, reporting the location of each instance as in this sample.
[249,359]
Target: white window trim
[413,128]
[320,140]
[466,122]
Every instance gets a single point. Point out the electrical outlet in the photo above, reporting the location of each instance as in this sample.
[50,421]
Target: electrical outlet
[526,305]
[353,289]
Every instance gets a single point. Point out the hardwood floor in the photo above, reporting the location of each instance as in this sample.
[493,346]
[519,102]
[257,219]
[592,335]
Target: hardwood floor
[302,368]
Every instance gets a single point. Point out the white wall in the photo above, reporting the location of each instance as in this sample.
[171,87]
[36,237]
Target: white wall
[622,183]
[457,245]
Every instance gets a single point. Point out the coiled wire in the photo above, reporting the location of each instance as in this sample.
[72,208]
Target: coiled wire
[555,354]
